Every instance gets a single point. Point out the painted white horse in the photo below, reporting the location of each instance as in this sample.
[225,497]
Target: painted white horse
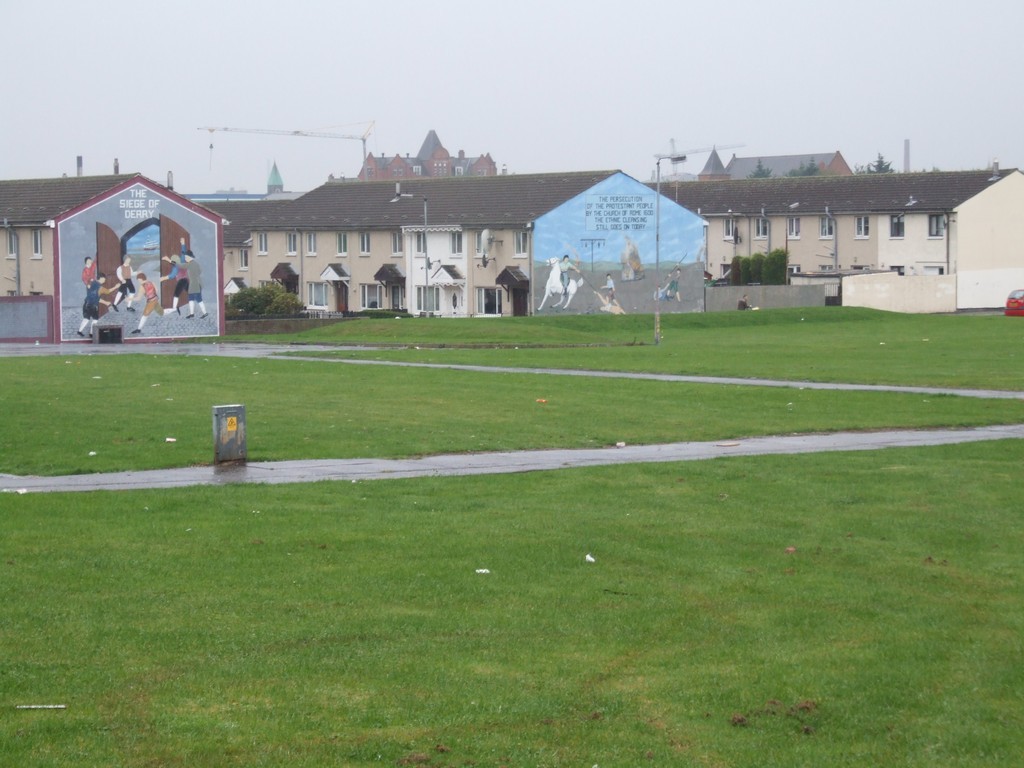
[554,287]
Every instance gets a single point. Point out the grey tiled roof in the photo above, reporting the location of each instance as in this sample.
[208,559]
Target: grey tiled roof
[936,191]
[469,201]
[28,202]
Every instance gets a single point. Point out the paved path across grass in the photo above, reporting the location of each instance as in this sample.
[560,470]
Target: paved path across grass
[304,471]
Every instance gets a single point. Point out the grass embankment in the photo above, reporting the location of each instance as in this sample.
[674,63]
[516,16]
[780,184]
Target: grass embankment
[830,344]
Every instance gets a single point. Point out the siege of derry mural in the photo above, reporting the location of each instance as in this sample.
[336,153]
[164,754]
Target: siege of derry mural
[599,252]
[141,258]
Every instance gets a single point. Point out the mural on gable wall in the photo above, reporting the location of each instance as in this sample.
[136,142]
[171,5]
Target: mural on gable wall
[140,260]
[597,253]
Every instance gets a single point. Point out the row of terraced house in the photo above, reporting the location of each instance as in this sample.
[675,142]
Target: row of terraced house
[492,245]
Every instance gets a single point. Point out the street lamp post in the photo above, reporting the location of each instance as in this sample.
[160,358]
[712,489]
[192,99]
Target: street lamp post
[426,260]
[657,241]
[399,194]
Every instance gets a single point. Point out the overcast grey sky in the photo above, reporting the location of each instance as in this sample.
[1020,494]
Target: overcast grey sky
[541,85]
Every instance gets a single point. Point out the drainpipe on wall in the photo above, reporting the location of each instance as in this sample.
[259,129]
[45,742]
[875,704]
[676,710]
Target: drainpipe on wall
[835,240]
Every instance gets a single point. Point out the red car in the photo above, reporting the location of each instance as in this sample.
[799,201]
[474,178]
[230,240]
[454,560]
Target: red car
[1015,303]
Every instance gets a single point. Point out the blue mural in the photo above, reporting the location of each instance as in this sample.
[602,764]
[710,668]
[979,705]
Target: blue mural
[599,251]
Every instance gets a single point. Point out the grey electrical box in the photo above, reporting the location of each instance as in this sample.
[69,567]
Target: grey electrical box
[229,434]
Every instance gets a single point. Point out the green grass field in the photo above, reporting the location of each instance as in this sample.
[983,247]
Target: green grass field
[839,609]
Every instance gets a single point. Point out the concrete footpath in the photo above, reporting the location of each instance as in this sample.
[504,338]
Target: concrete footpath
[305,471]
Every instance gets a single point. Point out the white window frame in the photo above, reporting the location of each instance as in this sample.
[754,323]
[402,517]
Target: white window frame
[936,226]
[481,302]
[37,243]
[897,226]
[456,241]
[729,230]
[522,243]
[243,259]
[262,243]
[762,227]
[826,228]
[421,243]
[317,290]
[793,227]
[12,244]
[479,243]
[342,243]
[364,243]
[291,240]
[311,243]
[371,293]
[397,241]
[433,294]
[863,228]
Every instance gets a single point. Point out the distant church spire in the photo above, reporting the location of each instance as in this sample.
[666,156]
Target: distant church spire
[274,182]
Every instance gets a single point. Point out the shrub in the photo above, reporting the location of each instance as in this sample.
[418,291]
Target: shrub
[775,263]
[266,300]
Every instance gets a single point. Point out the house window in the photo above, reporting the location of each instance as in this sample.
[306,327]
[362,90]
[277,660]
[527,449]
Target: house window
[261,244]
[37,243]
[343,243]
[488,301]
[863,227]
[793,227]
[896,225]
[317,294]
[456,243]
[826,228]
[311,243]
[522,243]
[794,269]
[421,243]
[936,225]
[370,295]
[729,229]
[459,170]
[761,229]
[417,170]
[243,258]
[396,242]
[428,298]
[364,243]
[292,239]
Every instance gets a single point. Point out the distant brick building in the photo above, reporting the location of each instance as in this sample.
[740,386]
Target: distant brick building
[776,166]
[433,160]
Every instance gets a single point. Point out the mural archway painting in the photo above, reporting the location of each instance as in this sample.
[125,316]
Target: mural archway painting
[598,253]
[140,258]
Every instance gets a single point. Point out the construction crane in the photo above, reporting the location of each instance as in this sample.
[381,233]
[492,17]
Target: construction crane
[308,134]
[680,156]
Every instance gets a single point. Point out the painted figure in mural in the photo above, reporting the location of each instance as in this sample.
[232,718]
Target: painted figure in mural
[94,293]
[632,267]
[195,285]
[152,300]
[554,286]
[127,287]
[671,290]
[179,274]
[609,286]
[88,271]
[564,267]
